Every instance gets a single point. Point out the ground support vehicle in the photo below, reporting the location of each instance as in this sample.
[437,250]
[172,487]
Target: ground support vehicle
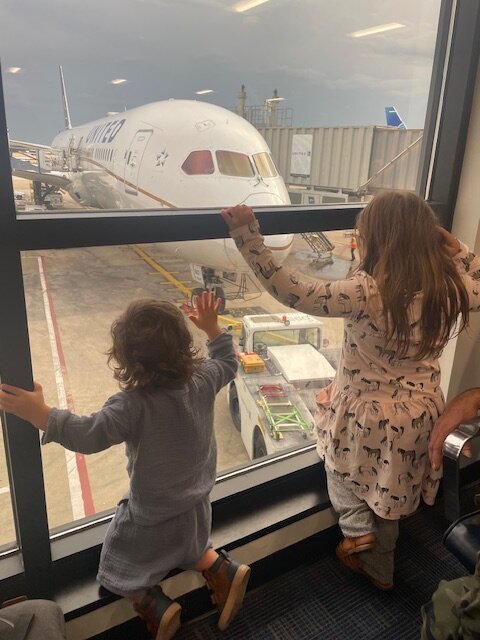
[282,368]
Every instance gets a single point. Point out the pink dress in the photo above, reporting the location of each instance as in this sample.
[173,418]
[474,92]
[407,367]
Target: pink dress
[374,434]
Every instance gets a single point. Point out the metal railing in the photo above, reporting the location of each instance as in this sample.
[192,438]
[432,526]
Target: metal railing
[468,433]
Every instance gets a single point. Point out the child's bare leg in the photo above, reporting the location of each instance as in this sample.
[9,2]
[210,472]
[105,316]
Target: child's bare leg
[206,560]
[357,544]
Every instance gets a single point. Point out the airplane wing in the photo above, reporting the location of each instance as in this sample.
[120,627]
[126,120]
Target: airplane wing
[20,145]
[37,162]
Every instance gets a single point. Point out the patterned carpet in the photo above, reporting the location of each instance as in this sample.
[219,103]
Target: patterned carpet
[323,600]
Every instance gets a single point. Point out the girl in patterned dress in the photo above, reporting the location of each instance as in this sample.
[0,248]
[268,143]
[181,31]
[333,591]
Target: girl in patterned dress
[374,421]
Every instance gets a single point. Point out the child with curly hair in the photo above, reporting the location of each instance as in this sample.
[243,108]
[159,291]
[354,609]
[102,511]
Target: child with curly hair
[164,414]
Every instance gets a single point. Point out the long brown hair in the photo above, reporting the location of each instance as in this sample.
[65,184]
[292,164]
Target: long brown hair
[152,346]
[401,248]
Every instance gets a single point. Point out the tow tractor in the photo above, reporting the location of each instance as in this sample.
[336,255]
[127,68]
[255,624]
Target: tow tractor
[282,367]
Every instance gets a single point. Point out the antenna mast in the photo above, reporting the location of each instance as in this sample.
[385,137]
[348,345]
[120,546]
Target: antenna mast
[66,111]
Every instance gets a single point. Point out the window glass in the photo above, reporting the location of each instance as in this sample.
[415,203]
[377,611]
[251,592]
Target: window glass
[7,529]
[341,116]
[264,165]
[234,164]
[69,324]
[199,163]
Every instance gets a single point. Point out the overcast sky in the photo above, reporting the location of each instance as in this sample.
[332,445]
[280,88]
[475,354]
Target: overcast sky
[171,48]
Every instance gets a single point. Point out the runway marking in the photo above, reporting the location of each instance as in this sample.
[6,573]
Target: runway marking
[178,284]
[159,269]
[77,473]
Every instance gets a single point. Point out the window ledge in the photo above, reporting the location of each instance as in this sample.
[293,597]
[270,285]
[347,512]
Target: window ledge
[298,507]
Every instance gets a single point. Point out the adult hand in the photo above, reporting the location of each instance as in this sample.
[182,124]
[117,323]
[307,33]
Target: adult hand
[237,216]
[28,405]
[450,244]
[464,407]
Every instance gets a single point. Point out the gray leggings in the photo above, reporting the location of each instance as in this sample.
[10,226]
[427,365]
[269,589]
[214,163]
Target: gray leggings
[355,519]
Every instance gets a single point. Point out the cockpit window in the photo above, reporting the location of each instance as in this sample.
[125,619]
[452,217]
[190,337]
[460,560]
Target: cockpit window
[264,164]
[231,163]
[199,163]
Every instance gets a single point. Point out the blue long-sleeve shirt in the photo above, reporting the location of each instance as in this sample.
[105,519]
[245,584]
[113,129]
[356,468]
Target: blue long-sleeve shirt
[168,433]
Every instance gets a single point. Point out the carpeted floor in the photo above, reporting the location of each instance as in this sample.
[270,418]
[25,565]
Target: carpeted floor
[323,600]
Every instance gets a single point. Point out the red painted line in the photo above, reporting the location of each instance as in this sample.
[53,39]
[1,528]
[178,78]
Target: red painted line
[79,457]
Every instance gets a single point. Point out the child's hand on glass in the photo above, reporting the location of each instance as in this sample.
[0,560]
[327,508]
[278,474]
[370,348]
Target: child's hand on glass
[204,313]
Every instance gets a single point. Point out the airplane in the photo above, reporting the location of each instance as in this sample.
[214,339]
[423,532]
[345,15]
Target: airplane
[393,119]
[172,154]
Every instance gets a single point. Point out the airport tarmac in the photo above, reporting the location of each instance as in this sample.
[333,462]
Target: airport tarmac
[72,297]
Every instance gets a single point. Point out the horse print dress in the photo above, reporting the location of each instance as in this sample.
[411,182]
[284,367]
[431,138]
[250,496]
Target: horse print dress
[374,433]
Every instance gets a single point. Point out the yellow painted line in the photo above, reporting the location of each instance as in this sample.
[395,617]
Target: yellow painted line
[177,284]
[159,269]
[236,325]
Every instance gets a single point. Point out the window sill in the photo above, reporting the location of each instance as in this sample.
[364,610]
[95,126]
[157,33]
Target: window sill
[284,513]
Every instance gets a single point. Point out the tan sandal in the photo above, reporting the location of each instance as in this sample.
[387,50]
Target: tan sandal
[348,546]
[351,562]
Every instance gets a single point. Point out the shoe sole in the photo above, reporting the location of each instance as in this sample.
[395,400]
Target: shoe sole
[235,596]
[170,622]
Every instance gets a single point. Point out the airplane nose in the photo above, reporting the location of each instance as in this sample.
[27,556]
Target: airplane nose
[280,245]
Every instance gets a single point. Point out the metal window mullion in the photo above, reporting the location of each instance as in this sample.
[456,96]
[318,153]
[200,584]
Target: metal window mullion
[22,445]
[449,104]
[62,232]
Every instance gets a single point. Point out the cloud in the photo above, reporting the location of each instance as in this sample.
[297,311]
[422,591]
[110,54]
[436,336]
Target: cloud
[167,47]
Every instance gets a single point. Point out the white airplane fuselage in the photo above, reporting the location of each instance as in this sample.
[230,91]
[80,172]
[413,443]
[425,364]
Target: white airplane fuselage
[175,154]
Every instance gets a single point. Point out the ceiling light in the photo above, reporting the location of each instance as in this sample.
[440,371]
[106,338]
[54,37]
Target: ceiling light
[245,5]
[379,29]
[14,69]
[203,92]
[118,81]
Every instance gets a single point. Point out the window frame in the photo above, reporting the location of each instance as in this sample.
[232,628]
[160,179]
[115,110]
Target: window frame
[445,132]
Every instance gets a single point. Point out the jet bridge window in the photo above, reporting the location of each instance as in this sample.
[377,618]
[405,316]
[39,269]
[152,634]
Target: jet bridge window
[264,164]
[199,163]
[231,163]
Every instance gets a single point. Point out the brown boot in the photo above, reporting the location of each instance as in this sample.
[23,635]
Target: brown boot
[160,614]
[227,582]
